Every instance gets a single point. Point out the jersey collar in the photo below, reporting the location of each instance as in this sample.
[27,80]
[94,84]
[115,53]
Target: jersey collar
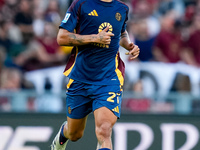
[107,4]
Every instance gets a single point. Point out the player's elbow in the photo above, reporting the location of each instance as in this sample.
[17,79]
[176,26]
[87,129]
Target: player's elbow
[63,41]
[62,38]
[60,41]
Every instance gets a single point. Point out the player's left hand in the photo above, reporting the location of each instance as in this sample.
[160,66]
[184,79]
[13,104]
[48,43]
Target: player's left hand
[134,51]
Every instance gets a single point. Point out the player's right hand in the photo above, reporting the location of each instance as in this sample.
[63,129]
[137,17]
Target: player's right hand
[133,49]
[104,37]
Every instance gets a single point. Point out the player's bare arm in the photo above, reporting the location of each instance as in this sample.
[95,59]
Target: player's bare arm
[66,38]
[130,46]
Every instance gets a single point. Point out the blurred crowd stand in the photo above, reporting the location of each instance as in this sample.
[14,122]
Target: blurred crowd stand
[164,78]
[30,54]
[167,68]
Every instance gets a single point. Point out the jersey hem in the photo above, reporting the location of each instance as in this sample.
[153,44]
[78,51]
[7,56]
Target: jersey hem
[95,82]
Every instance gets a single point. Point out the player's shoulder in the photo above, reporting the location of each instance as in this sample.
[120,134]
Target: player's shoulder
[122,4]
[76,4]
[79,1]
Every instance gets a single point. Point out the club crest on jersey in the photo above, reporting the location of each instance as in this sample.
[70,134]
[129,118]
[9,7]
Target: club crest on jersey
[66,17]
[118,16]
[69,110]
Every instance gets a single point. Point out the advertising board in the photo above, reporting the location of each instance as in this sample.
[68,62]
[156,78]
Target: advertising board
[35,131]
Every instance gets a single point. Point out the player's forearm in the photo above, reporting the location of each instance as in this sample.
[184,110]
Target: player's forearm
[72,39]
[124,41]
[66,38]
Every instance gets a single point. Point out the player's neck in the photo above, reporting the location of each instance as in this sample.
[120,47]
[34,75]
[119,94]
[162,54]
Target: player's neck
[106,0]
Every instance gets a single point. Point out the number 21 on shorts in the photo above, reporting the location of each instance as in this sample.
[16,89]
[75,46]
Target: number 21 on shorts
[113,95]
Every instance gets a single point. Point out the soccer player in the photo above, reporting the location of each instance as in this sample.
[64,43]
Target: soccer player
[96,29]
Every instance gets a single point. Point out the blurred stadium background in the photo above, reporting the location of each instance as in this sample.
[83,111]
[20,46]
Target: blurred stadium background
[161,100]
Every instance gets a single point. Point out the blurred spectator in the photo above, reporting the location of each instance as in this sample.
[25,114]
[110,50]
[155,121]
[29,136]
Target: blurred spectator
[191,54]
[44,51]
[40,4]
[11,79]
[138,102]
[63,5]
[52,13]
[189,14]
[144,9]
[4,40]
[9,9]
[9,36]
[168,43]
[2,58]
[9,41]
[24,19]
[182,87]
[140,31]
[177,6]
[38,22]
[181,83]
[1,3]
[138,87]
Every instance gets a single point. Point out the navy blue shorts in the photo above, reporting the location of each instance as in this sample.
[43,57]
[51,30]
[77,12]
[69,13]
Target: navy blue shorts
[84,98]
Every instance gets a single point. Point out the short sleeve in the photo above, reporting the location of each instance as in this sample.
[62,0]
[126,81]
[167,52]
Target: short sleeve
[71,17]
[126,19]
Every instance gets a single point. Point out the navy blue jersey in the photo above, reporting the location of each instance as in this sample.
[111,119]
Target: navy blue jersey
[96,63]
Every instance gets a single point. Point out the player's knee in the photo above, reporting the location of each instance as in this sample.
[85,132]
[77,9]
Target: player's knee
[75,136]
[104,130]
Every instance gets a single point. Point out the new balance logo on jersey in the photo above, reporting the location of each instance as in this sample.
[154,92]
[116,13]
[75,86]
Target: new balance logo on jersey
[93,13]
